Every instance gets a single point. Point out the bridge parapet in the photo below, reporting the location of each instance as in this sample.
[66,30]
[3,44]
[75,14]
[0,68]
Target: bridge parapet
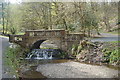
[16,38]
[62,38]
[74,37]
[46,33]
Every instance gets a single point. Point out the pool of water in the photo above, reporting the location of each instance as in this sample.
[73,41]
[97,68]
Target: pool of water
[32,73]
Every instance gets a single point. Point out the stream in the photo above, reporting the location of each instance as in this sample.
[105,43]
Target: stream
[68,69]
[43,64]
[43,54]
[31,66]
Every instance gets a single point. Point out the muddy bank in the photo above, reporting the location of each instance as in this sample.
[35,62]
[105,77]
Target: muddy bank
[72,69]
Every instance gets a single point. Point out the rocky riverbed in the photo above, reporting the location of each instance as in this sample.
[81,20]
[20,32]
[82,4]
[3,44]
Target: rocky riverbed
[73,69]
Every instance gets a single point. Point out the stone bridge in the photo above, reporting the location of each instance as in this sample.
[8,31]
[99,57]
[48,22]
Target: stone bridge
[33,38]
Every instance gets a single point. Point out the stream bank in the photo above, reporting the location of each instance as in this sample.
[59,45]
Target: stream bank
[99,53]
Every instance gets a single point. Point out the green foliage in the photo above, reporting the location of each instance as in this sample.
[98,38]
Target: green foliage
[107,53]
[111,56]
[79,49]
[104,50]
[74,50]
[1,27]
[71,27]
[74,47]
[13,59]
[90,19]
[115,56]
[63,55]
[76,16]
[115,42]
[107,56]
[13,30]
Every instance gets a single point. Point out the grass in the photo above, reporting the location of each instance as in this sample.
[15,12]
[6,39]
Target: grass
[114,32]
[20,33]
[111,52]
[114,42]
[9,60]
[3,36]
[13,59]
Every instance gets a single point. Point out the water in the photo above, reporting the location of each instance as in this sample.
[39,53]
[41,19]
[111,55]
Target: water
[30,71]
[43,54]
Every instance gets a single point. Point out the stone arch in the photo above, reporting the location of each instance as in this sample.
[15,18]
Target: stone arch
[36,44]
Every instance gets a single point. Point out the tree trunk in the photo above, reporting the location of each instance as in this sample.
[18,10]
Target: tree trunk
[107,24]
[50,16]
[6,27]
[3,19]
[66,27]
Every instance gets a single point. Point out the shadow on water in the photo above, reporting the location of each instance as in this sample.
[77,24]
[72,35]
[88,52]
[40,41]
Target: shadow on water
[32,73]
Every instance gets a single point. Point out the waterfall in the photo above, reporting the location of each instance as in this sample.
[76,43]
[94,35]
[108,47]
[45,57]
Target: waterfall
[42,54]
